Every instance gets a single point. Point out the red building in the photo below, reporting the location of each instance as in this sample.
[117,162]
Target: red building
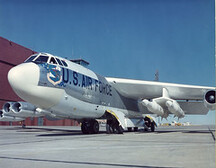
[12,54]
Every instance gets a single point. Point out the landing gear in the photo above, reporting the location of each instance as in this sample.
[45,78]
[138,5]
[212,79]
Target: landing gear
[23,124]
[152,127]
[113,126]
[90,127]
[132,129]
[135,129]
[149,124]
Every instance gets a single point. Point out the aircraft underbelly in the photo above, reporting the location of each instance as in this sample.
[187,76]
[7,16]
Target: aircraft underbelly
[71,107]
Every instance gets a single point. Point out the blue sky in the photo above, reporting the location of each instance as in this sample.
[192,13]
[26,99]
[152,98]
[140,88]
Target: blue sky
[121,38]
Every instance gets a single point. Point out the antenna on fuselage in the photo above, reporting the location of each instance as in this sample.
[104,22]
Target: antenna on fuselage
[157,76]
[80,62]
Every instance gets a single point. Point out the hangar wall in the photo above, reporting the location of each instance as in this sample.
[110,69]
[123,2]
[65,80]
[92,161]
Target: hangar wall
[12,54]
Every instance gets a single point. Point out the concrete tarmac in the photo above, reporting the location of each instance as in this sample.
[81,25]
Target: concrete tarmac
[66,147]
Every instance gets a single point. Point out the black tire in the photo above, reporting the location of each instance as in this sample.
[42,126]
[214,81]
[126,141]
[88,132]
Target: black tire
[109,129]
[152,127]
[113,127]
[23,126]
[129,129]
[135,129]
[94,128]
[84,127]
[119,130]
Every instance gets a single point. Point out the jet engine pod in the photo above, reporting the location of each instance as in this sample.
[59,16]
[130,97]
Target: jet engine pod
[10,118]
[209,99]
[7,108]
[4,117]
[24,109]
[1,113]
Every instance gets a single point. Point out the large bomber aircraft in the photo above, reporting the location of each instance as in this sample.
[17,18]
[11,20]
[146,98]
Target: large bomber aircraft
[58,88]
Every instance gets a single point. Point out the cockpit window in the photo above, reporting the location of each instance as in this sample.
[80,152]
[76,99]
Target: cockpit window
[53,61]
[30,59]
[65,64]
[41,59]
[58,60]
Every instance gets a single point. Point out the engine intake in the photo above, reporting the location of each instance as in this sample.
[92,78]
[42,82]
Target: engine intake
[24,109]
[1,113]
[7,108]
[209,99]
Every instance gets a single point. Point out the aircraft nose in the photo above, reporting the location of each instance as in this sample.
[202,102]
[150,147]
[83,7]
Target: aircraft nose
[23,77]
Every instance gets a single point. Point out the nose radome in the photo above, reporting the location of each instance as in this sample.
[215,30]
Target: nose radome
[24,80]
[23,76]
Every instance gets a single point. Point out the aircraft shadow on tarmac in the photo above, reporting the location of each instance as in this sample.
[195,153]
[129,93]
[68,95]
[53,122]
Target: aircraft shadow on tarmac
[207,131]
[54,132]
[67,132]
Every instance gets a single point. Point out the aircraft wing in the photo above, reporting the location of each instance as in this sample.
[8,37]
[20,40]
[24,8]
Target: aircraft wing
[189,97]
[137,89]
[194,107]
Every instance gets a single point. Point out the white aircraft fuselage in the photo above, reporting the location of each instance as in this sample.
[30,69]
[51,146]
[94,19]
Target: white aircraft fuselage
[60,88]
[71,91]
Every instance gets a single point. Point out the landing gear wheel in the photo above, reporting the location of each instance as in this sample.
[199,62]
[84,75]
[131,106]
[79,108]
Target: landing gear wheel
[129,129]
[135,129]
[23,126]
[85,127]
[90,127]
[119,130]
[109,129]
[94,127]
[113,126]
[152,127]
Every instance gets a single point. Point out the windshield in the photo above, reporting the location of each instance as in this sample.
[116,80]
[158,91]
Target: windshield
[38,59]
[30,59]
[41,59]
[58,60]
[65,64]
[53,61]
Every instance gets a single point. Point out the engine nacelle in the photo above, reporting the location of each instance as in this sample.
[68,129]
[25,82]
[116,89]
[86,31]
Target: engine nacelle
[9,118]
[1,113]
[209,99]
[153,107]
[174,108]
[24,109]
[7,108]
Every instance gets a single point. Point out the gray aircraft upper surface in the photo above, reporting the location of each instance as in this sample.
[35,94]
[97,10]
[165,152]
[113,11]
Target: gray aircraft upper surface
[57,88]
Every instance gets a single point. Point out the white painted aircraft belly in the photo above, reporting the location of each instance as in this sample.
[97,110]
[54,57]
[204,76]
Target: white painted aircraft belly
[71,107]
